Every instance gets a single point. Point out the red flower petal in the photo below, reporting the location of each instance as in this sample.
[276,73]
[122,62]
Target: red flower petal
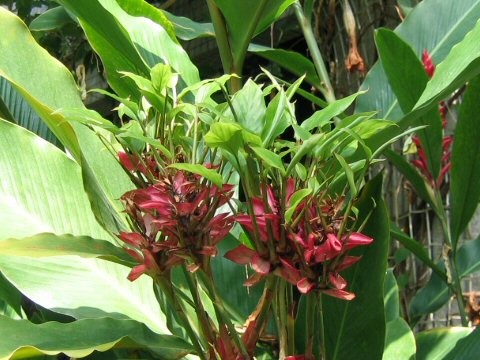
[305,286]
[260,265]
[341,294]
[136,272]
[355,239]
[337,280]
[329,249]
[254,279]
[241,255]
[288,272]
[347,262]
[134,239]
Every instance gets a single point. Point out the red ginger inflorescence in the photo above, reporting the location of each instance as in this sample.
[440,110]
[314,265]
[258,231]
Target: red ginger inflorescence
[311,253]
[421,163]
[176,222]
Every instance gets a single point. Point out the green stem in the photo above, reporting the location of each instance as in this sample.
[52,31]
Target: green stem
[179,313]
[310,326]
[222,315]
[321,327]
[449,254]
[326,86]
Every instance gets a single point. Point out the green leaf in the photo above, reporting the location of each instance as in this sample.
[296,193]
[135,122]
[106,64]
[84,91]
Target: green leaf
[435,25]
[42,189]
[15,109]
[416,248]
[276,118]
[187,29]
[436,293]
[270,158]
[391,297]
[435,344]
[465,174]
[224,135]
[322,117]
[249,107]
[23,339]
[349,173]
[399,341]
[10,299]
[52,19]
[306,147]
[461,65]
[246,19]
[294,62]
[408,78]
[418,182]
[360,324]
[295,200]
[48,245]
[208,174]
[467,347]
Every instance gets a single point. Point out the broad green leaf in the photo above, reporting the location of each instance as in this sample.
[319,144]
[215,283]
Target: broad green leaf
[399,341]
[208,174]
[151,41]
[269,157]
[15,109]
[294,62]
[466,348]
[276,118]
[41,189]
[359,325]
[465,174]
[187,29]
[349,173]
[246,19]
[391,297]
[322,117]
[295,200]
[48,245]
[249,107]
[408,79]
[48,86]
[23,339]
[413,176]
[10,299]
[461,65]
[436,292]
[304,149]
[224,135]
[52,19]
[435,25]
[416,248]
[435,344]
[95,288]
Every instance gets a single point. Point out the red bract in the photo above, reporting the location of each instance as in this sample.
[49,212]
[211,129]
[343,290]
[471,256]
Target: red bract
[178,216]
[133,163]
[314,253]
[421,164]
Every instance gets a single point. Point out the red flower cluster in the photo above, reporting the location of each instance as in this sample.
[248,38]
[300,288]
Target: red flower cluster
[421,163]
[313,253]
[176,222]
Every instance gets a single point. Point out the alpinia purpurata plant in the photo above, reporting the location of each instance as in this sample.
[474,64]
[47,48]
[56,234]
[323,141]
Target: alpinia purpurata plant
[211,220]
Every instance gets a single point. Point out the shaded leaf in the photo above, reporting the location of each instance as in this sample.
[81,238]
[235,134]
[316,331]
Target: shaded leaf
[435,344]
[21,338]
[52,19]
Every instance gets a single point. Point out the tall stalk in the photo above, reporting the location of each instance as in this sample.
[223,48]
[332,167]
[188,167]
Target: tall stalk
[305,24]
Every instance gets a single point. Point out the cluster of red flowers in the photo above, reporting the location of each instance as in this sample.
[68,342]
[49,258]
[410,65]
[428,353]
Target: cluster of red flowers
[176,222]
[421,162]
[309,254]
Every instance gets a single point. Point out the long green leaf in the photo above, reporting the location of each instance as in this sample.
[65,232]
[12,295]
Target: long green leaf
[41,191]
[435,344]
[461,65]
[435,25]
[360,324]
[436,292]
[408,79]
[208,174]
[466,162]
[48,245]
[23,339]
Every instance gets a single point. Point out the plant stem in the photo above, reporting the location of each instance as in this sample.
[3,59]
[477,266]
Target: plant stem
[326,86]
[310,326]
[179,313]
[222,315]
[449,254]
[321,326]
